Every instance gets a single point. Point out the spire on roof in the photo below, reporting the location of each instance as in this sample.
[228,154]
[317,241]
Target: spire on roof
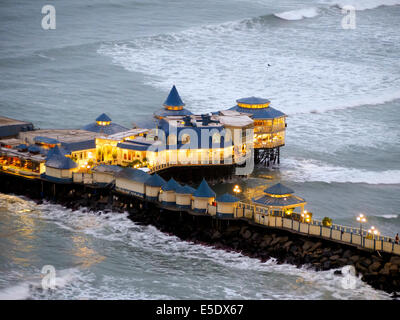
[171,185]
[173,99]
[155,181]
[103,118]
[59,161]
[204,190]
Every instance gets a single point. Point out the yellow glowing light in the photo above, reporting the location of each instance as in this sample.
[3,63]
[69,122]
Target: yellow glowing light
[361,218]
[236,189]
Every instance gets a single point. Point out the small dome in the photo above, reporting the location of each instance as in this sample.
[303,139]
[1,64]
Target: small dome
[253,100]
[104,118]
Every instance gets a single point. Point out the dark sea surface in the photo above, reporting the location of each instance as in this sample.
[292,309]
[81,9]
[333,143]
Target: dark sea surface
[340,89]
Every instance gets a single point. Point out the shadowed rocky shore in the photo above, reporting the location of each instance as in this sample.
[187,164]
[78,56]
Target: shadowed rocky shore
[378,269]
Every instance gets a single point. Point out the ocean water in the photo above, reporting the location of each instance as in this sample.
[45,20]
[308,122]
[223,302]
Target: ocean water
[339,87]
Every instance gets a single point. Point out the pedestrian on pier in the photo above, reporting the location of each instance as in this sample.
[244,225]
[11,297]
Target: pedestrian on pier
[397,238]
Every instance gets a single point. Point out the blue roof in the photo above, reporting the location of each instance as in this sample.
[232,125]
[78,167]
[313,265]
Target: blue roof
[173,98]
[278,202]
[204,190]
[40,139]
[21,146]
[133,174]
[109,129]
[103,117]
[227,198]
[131,145]
[59,161]
[185,190]
[253,100]
[155,181]
[34,149]
[79,145]
[257,113]
[279,189]
[171,185]
[51,151]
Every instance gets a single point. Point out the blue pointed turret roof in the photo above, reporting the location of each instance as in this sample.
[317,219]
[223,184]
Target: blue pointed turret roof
[279,189]
[186,190]
[171,185]
[59,161]
[103,117]
[204,190]
[155,181]
[50,152]
[173,98]
[227,197]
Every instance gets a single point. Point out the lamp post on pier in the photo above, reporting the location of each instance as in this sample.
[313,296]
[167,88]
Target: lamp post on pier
[361,218]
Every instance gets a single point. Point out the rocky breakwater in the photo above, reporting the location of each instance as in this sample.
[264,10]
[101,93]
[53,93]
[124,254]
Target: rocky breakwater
[378,269]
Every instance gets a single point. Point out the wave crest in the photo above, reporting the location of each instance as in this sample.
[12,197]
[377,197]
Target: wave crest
[298,14]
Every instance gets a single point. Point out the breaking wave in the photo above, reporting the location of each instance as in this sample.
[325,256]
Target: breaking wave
[361,5]
[317,171]
[311,82]
[145,251]
[298,14]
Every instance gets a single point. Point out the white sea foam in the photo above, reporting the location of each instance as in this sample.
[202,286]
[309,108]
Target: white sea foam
[201,260]
[361,5]
[298,14]
[389,216]
[302,170]
[30,288]
[215,64]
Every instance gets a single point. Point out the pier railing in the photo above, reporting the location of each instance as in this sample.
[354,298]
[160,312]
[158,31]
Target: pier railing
[338,233]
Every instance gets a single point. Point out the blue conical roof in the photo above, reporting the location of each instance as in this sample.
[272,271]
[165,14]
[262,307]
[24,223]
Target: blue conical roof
[171,185]
[227,198]
[59,161]
[185,190]
[103,117]
[173,98]
[204,190]
[278,189]
[155,181]
[50,152]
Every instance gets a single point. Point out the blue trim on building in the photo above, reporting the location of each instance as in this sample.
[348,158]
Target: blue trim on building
[257,113]
[129,192]
[167,203]
[54,179]
[80,145]
[224,215]
[200,210]
[181,206]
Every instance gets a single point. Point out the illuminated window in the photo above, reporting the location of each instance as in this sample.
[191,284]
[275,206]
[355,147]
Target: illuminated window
[216,138]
